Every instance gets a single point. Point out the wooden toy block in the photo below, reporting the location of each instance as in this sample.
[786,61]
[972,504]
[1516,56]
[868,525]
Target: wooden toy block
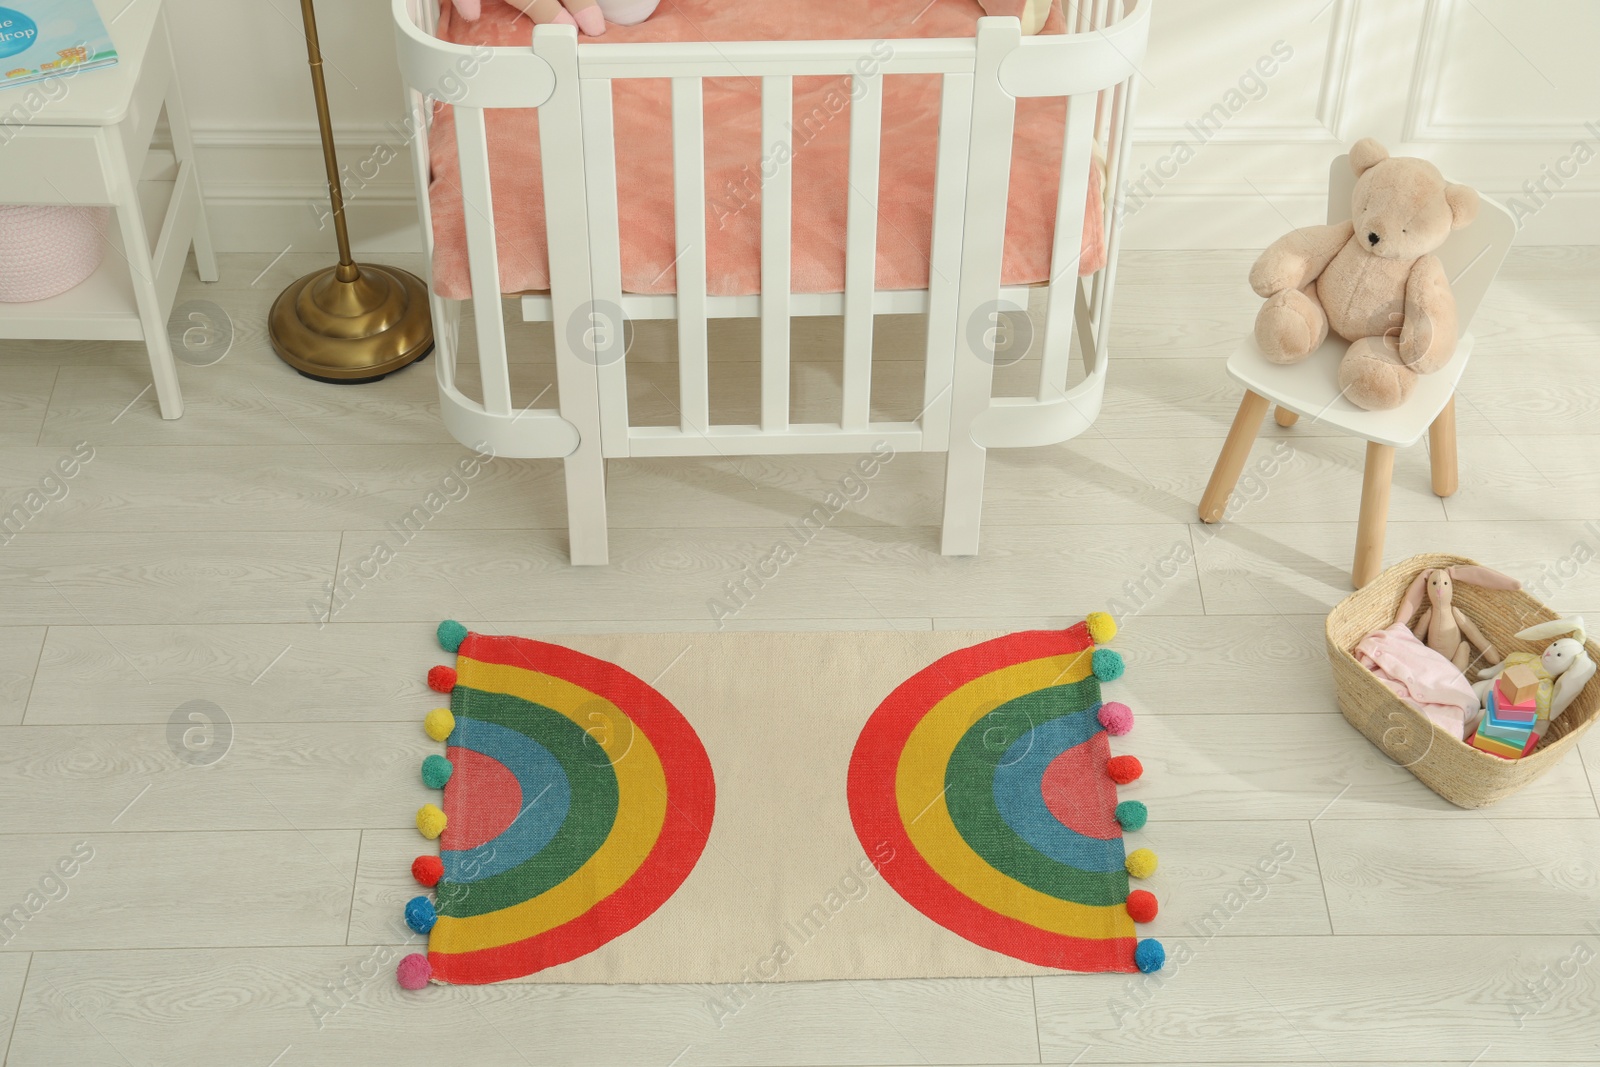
[1504,749]
[1518,685]
[1498,716]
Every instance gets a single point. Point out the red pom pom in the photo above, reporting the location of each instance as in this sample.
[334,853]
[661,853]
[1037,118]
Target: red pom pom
[427,869]
[1141,905]
[442,679]
[1124,769]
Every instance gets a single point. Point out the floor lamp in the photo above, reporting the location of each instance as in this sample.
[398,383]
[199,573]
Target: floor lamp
[353,322]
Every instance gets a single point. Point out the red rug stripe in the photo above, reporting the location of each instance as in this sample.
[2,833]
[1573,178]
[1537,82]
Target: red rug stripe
[875,810]
[691,792]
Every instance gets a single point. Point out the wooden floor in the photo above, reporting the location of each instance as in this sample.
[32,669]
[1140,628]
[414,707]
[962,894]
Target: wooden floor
[239,906]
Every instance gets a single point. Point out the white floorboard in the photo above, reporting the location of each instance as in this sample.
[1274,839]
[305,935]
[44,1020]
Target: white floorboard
[1329,908]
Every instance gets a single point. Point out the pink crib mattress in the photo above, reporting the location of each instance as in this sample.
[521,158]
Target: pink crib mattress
[642,110]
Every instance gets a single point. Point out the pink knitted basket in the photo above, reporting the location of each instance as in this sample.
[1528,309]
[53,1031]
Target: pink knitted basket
[46,250]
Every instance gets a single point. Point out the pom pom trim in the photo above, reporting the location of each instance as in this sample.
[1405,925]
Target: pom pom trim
[1107,665]
[1102,627]
[450,634]
[420,915]
[1116,717]
[436,771]
[1124,769]
[427,870]
[1141,863]
[1149,956]
[1142,906]
[414,972]
[1132,815]
[441,679]
[430,821]
[439,724]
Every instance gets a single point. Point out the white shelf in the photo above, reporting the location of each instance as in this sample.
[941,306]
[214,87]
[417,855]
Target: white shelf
[102,307]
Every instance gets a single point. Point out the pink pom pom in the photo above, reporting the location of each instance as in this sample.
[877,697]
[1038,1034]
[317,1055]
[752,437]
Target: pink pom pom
[1116,718]
[441,679]
[414,971]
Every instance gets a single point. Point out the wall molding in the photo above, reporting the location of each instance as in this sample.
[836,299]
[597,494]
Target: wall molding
[1421,124]
[261,182]
[1336,68]
[1322,127]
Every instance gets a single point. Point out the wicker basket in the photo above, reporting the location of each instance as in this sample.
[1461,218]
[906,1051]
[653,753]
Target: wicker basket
[1447,765]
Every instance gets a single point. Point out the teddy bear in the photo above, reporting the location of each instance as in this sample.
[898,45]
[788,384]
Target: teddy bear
[590,16]
[1372,280]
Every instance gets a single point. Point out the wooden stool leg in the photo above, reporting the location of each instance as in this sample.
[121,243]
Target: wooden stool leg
[1230,464]
[1285,417]
[1442,450]
[1374,519]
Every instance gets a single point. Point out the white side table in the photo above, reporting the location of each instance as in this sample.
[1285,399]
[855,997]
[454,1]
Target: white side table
[90,144]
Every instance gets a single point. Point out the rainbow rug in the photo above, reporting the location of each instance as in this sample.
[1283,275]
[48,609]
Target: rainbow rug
[748,808]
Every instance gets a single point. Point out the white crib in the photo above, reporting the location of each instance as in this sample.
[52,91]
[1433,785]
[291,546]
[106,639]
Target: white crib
[983,76]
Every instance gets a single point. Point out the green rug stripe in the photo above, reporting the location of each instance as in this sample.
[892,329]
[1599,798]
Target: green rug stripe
[969,778]
[588,822]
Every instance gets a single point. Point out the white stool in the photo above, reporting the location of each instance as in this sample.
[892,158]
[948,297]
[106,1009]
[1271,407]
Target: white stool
[1310,388]
[90,144]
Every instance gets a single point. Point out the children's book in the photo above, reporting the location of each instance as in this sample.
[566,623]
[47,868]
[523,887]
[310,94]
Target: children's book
[50,38]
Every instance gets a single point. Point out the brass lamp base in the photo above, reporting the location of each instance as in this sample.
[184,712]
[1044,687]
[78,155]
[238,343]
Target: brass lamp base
[352,323]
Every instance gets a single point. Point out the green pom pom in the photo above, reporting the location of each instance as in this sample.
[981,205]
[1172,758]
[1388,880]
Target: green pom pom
[1108,665]
[451,634]
[436,771]
[1132,814]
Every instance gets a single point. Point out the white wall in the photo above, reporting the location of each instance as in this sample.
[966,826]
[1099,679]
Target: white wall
[1497,92]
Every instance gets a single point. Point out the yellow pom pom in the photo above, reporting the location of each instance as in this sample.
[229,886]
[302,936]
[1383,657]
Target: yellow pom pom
[430,822]
[1102,627]
[439,723]
[1141,863]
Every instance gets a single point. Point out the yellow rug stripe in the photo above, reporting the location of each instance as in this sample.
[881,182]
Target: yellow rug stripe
[641,811]
[920,788]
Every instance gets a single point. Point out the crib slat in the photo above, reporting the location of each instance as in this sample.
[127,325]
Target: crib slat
[777,110]
[1113,205]
[944,258]
[1067,252]
[689,195]
[607,323]
[483,260]
[861,247]
[1130,93]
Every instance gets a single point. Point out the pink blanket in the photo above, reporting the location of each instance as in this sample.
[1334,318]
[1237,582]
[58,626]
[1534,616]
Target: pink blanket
[642,112]
[1419,676]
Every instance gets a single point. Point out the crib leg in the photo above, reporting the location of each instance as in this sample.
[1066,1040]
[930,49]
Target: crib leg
[963,496]
[586,506]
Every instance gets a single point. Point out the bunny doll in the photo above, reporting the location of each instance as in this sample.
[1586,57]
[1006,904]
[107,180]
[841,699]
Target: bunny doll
[590,16]
[1563,669]
[1443,627]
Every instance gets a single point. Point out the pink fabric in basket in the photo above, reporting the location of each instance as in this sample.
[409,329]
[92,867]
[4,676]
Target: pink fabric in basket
[642,111]
[1419,676]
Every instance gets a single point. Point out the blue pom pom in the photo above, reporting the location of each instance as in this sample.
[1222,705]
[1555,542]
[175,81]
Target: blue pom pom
[436,771]
[420,916]
[1108,664]
[1132,814]
[451,634]
[1149,956]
